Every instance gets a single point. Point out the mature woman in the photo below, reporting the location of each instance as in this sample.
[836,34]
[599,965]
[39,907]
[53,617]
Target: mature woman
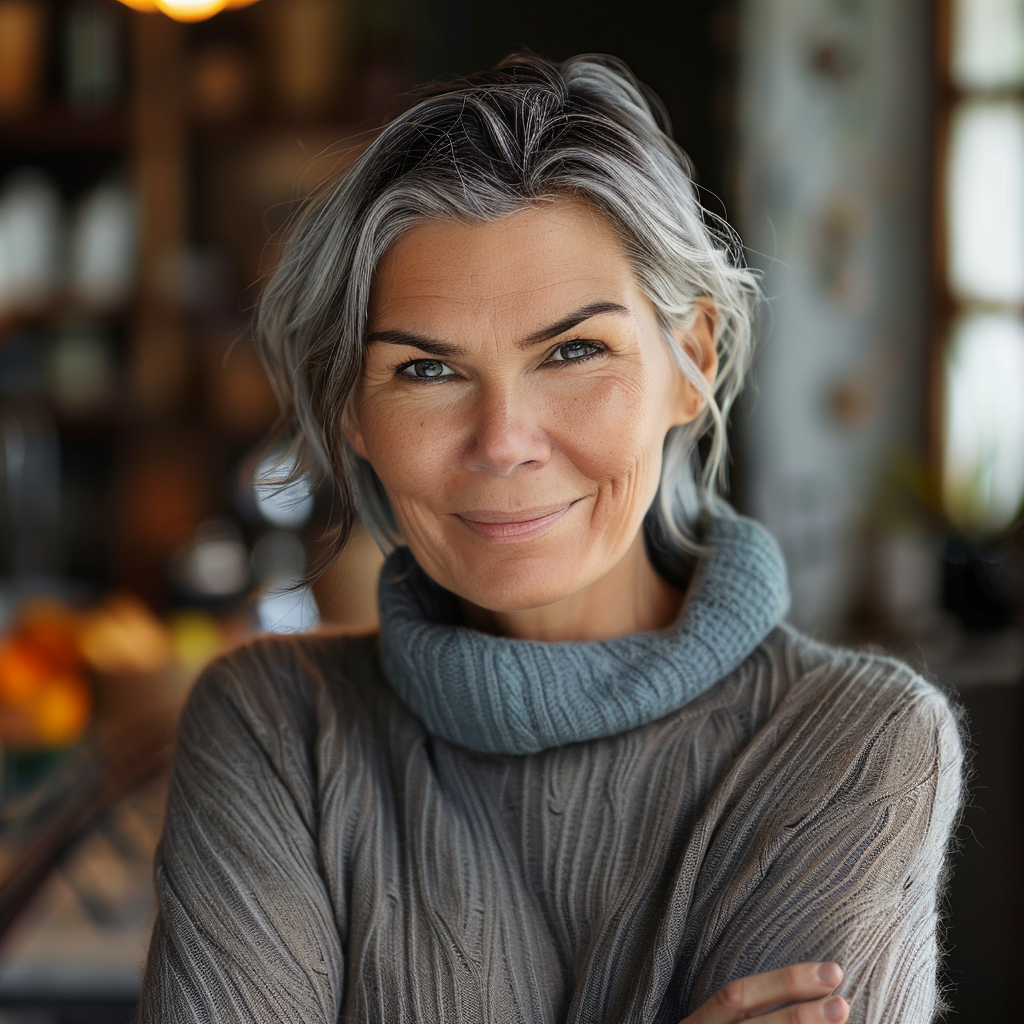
[584,772]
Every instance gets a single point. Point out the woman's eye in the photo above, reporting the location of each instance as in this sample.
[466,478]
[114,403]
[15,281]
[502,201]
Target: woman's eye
[572,351]
[426,369]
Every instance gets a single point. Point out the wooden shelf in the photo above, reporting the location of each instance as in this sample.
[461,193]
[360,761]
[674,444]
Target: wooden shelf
[59,130]
[61,312]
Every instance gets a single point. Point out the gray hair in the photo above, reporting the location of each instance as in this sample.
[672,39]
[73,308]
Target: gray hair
[473,150]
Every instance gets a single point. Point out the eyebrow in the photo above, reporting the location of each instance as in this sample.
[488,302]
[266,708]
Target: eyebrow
[567,323]
[441,348]
[397,337]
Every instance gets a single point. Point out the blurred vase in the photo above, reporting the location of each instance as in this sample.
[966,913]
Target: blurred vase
[104,243]
[82,371]
[287,610]
[283,604]
[92,56]
[30,538]
[22,364]
[216,564]
[22,55]
[282,502]
[31,226]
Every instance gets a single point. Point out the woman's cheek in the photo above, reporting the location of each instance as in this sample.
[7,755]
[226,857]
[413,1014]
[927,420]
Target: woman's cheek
[609,429]
[621,451]
[409,449]
[420,529]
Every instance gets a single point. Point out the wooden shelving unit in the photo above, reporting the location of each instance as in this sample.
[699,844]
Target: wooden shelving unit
[203,183]
[189,402]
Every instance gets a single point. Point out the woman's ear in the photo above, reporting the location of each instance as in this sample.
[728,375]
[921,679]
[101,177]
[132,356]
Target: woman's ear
[698,342]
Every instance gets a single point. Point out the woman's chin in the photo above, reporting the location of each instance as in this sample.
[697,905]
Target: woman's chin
[506,585]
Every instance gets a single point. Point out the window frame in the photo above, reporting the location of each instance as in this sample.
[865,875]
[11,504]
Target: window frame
[947,307]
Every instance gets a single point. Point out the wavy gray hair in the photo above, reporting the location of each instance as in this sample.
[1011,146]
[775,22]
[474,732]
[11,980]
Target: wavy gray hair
[476,149]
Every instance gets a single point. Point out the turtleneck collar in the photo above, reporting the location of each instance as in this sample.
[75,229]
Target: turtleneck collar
[506,696]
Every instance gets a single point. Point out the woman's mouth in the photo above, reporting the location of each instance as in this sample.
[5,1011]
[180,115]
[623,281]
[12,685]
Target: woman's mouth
[512,527]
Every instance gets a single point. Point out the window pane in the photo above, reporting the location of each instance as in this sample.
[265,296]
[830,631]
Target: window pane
[983,475]
[985,202]
[987,43]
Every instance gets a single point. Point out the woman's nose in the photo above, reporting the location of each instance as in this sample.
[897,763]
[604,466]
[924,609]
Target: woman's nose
[506,434]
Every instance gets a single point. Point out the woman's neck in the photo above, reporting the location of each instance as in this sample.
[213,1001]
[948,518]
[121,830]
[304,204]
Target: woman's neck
[632,598]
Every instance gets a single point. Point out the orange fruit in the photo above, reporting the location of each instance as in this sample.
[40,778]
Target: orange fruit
[51,627]
[61,713]
[24,672]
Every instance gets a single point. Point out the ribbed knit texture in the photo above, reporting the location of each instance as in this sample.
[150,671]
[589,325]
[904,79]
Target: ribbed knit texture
[520,696]
[326,857]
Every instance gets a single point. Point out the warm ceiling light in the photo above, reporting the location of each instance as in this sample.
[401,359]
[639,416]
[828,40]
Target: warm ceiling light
[186,10]
[191,10]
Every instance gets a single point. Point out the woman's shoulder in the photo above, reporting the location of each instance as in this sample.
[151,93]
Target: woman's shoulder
[276,683]
[823,669]
[864,708]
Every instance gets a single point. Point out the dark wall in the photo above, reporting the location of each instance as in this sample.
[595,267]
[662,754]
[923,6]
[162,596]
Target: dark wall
[683,50]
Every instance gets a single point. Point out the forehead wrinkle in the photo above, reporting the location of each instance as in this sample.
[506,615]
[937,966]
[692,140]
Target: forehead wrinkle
[502,299]
[428,274]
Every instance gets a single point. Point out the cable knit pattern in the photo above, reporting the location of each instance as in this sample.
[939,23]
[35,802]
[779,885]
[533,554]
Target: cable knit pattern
[520,696]
[329,858]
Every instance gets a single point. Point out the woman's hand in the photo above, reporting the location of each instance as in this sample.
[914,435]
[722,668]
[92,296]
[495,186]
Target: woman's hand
[805,987]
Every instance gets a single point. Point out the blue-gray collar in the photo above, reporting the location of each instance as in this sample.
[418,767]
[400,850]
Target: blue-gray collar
[508,696]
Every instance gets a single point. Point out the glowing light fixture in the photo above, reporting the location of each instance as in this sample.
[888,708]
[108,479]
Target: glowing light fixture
[186,10]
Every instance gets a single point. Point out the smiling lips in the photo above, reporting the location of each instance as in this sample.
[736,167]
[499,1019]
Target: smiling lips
[512,527]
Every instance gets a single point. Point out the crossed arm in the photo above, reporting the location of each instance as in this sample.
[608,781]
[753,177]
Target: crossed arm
[248,929]
[858,882]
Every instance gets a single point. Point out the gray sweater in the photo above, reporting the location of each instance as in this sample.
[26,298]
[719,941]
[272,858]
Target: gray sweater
[328,857]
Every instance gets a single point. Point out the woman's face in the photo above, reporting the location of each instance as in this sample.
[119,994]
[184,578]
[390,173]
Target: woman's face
[515,399]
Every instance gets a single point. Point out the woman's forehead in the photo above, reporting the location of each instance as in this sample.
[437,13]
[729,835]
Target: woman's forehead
[534,264]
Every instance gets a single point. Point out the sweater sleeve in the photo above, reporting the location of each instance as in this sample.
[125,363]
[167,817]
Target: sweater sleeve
[246,929]
[855,874]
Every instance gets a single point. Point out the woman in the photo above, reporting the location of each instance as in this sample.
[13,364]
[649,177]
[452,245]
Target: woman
[584,772]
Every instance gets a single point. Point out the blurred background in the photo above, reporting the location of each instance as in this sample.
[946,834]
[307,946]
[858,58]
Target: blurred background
[871,153]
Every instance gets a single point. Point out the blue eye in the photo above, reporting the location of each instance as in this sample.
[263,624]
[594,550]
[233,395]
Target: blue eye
[426,369]
[574,351]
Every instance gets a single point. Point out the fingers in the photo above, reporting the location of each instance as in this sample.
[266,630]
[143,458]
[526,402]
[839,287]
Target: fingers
[764,996]
[830,1010]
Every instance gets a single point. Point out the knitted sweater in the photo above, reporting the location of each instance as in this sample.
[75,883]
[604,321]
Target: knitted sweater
[341,845]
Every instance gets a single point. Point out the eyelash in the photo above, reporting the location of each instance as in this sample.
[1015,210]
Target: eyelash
[598,348]
[402,367]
